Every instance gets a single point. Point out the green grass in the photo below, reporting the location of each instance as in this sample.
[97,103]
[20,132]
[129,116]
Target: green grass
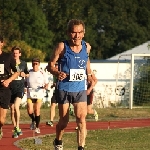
[116,139]
[105,114]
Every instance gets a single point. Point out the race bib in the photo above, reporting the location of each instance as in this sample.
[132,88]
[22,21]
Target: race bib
[35,93]
[77,75]
[1,68]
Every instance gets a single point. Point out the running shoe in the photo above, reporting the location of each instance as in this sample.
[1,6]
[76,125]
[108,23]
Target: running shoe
[15,134]
[37,130]
[50,123]
[19,132]
[71,110]
[57,147]
[32,126]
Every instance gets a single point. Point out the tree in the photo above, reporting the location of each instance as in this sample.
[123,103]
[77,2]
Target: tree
[24,20]
[112,26]
[28,53]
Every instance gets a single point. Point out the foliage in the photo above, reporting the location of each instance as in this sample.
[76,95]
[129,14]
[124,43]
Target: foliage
[111,26]
[24,21]
[27,51]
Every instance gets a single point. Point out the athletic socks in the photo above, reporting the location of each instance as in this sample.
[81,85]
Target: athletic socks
[80,148]
[58,142]
[32,117]
[37,121]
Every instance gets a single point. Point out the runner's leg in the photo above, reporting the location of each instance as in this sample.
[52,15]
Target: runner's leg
[37,108]
[17,110]
[80,110]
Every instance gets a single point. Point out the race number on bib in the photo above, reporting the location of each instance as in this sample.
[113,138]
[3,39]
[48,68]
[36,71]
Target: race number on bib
[35,93]
[77,74]
[1,68]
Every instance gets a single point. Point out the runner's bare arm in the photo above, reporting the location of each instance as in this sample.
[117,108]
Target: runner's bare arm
[90,87]
[6,82]
[88,67]
[58,50]
[88,62]
[58,53]
[94,79]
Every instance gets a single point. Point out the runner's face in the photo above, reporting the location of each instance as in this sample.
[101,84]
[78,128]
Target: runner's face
[16,54]
[76,35]
[35,65]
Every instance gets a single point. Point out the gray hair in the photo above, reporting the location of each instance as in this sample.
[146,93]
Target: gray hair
[74,22]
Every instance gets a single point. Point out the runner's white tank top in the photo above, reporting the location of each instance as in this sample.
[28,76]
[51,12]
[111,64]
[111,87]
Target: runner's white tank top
[37,79]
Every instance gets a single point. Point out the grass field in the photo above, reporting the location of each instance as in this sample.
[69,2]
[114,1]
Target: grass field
[104,114]
[116,139]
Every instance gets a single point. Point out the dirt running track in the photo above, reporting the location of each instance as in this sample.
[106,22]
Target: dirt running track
[7,142]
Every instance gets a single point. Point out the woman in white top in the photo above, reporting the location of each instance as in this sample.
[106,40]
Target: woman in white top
[36,83]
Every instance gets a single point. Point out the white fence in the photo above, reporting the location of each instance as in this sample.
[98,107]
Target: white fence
[113,83]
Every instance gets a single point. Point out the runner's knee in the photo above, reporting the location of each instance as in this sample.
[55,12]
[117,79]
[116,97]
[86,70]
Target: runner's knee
[37,112]
[63,122]
[89,109]
[62,125]
[81,119]
[12,111]
[30,111]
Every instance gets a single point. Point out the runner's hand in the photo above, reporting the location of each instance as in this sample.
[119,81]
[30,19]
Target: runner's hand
[88,91]
[5,83]
[62,76]
[22,74]
[89,79]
